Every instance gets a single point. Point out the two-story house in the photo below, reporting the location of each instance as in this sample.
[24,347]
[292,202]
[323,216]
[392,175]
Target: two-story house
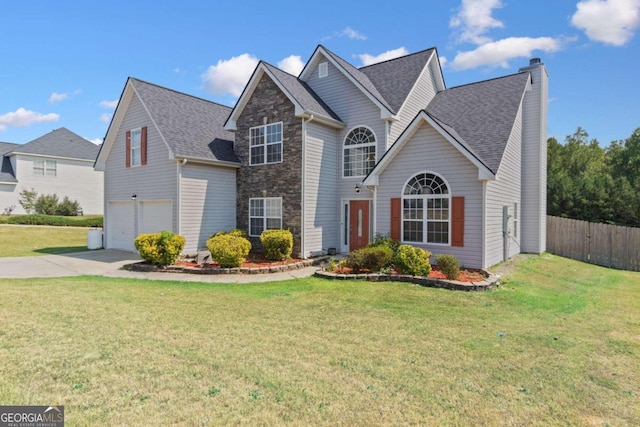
[340,153]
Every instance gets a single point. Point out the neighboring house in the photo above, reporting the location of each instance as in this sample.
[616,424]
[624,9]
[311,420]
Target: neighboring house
[341,153]
[59,162]
[168,165]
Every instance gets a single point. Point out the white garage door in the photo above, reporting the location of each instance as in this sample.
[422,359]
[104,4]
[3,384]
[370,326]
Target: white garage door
[120,226]
[155,216]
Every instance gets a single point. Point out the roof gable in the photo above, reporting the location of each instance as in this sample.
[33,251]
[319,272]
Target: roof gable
[304,99]
[7,174]
[60,143]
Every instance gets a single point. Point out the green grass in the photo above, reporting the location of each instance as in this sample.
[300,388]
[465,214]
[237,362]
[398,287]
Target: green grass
[557,344]
[29,241]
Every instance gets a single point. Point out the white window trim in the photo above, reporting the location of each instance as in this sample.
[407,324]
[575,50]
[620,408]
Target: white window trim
[47,165]
[344,147]
[323,69]
[264,217]
[139,148]
[424,221]
[265,144]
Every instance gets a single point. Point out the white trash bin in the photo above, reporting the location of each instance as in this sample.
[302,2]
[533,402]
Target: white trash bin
[94,238]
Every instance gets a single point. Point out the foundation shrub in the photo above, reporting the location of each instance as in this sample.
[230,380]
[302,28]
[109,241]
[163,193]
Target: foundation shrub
[277,244]
[449,265]
[161,248]
[373,259]
[229,249]
[412,260]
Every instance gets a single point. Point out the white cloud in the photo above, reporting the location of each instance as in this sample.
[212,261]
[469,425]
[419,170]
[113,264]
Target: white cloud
[109,104]
[291,64]
[229,76]
[498,53]
[57,97]
[96,141]
[24,118]
[608,21]
[443,61]
[105,117]
[352,34]
[474,19]
[390,54]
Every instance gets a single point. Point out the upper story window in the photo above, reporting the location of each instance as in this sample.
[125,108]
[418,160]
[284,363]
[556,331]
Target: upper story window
[425,210]
[359,152]
[264,214]
[136,147]
[323,69]
[45,167]
[265,144]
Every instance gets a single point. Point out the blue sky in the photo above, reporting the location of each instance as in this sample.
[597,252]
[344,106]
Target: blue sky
[65,63]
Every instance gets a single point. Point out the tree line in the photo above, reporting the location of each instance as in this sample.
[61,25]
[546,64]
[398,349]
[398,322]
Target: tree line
[588,182]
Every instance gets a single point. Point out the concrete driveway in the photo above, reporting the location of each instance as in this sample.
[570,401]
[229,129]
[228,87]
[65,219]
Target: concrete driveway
[108,262]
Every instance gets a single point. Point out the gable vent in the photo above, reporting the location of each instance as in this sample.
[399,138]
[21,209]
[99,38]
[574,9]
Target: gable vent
[323,69]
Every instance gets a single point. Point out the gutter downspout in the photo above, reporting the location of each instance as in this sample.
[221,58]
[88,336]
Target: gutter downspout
[304,190]
[179,194]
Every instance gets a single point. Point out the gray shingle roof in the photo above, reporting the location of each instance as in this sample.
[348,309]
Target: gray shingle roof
[60,143]
[303,94]
[6,170]
[481,115]
[395,78]
[362,78]
[192,127]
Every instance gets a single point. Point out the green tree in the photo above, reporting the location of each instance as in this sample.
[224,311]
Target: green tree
[28,200]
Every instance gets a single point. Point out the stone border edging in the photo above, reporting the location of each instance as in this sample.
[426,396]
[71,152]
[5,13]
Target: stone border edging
[145,267]
[429,282]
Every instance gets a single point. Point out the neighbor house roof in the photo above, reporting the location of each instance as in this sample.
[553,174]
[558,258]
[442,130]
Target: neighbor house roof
[395,78]
[6,170]
[302,93]
[480,116]
[192,127]
[60,143]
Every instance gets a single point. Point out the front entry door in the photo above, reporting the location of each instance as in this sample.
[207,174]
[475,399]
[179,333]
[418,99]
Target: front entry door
[358,224]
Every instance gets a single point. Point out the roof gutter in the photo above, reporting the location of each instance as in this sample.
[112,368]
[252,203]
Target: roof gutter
[201,160]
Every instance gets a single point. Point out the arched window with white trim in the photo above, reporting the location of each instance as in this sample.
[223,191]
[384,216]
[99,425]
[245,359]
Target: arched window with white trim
[426,214]
[359,152]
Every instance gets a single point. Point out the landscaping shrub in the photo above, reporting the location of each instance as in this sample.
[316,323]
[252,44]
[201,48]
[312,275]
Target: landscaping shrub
[229,249]
[36,219]
[234,232]
[449,265]
[67,207]
[370,258]
[28,200]
[47,204]
[277,244]
[412,260]
[161,248]
[384,240]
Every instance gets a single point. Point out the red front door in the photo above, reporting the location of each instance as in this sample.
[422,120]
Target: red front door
[358,224]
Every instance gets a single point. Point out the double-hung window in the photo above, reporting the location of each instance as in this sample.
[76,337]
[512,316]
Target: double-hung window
[265,144]
[45,167]
[425,210]
[136,147]
[264,214]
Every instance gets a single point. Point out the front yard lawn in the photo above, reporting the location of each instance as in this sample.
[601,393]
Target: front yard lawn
[40,240]
[557,344]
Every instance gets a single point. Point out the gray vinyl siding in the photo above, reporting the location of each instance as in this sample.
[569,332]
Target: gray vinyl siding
[355,109]
[157,180]
[422,93]
[534,164]
[504,191]
[207,201]
[428,151]
[321,209]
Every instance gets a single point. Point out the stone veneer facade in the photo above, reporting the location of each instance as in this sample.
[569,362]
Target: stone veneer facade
[278,179]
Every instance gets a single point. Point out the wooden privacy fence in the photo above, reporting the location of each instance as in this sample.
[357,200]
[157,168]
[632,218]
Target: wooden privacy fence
[601,244]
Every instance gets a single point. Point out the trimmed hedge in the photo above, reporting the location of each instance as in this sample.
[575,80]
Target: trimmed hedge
[229,250]
[160,249]
[412,260]
[373,259]
[278,244]
[56,220]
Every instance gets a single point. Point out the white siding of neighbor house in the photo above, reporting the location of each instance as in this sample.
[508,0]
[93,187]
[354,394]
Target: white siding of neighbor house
[75,179]
[321,210]
[534,163]
[428,151]
[207,201]
[418,99]
[504,191]
[157,180]
[354,109]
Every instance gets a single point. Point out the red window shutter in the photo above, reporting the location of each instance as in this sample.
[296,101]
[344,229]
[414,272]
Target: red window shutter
[457,221]
[143,146]
[128,148]
[396,218]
